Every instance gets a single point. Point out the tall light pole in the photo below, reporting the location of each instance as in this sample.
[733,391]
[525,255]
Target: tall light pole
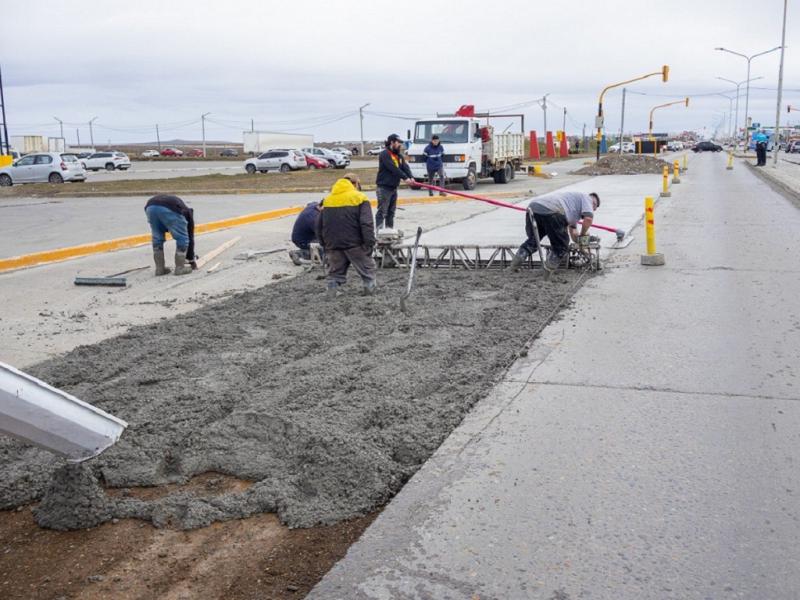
[622,121]
[664,72]
[203,126]
[780,91]
[61,123]
[738,85]
[361,124]
[730,111]
[543,104]
[747,92]
[91,133]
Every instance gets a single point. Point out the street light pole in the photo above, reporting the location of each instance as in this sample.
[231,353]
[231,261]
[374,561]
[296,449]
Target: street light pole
[738,93]
[203,126]
[780,91]
[61,123]
[543,104]
[730,111]
[361,124]
[91,133]
[747,92]
[622,121]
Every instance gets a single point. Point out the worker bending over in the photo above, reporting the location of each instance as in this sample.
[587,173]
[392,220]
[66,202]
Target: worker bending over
[169,213]
[557,215]
[346,231]
[304,232]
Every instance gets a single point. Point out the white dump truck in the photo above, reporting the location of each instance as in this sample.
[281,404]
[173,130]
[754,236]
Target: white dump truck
[472,148]
[256,142]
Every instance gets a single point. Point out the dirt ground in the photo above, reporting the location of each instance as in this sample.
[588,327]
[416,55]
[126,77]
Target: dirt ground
[625,164]
[298,181]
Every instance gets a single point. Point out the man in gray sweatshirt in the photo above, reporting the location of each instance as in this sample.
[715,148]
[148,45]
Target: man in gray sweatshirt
[557,215]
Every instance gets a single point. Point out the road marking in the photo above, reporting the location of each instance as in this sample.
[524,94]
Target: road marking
[62,254]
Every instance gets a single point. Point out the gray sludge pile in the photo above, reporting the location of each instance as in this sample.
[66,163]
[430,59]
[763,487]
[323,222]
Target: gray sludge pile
[326,407]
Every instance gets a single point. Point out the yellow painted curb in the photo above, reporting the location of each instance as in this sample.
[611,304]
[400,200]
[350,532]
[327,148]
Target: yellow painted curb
[131,241]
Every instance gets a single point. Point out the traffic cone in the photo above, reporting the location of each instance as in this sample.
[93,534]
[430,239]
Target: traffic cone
[534,149]
[549,150]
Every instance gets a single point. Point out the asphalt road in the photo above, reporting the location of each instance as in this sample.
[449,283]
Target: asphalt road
[169,169]
[645,447]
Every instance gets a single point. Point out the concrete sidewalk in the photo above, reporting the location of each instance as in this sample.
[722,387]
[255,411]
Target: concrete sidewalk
[647,446]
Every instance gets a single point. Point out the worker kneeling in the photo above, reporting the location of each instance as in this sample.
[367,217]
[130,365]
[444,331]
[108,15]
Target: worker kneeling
[557,215]
[169,213]
[346,231]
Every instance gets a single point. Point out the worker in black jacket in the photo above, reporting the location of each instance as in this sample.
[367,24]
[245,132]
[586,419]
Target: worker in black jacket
[169,213]
[346,231]
[392,169]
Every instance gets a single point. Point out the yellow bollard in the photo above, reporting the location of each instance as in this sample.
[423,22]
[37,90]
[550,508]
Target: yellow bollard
[675,170]
[685,165]
[665,187]
[730,162]
[652,258]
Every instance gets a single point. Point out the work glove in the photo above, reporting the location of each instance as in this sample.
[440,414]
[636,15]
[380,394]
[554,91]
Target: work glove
[583,241]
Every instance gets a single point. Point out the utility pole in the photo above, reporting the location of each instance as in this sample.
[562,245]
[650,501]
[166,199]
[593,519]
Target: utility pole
[78,135]
[4,133]
[158,139]
[61,123]
[583,139]
[252,125]
[91,133]
[622,120]
[543,104]
[780,92]
[203,121]
[361,123]
[564,123]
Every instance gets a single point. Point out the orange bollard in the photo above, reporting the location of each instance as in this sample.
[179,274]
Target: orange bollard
[548,145]
[533,152]
[563,150]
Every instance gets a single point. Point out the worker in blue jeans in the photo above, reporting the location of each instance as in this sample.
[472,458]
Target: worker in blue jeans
[169,213]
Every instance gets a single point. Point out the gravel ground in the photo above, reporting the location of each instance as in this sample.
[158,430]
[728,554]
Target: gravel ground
[328,407]
[625,164]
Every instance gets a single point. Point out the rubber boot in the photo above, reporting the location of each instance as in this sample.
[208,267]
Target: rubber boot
[370,287]
[520,257]
[161,267]
[332,290]
[181,268]
[295,256]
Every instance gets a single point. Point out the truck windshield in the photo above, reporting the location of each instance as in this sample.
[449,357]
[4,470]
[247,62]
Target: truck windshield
[449,132]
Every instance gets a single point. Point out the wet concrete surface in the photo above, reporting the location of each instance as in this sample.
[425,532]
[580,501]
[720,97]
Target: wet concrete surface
[646,447]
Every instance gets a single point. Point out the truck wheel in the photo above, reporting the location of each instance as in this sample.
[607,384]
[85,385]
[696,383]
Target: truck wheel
[471,180]
[55,178]
[109,166]
[251,169]
[504,174]
[285,168]
[5,181]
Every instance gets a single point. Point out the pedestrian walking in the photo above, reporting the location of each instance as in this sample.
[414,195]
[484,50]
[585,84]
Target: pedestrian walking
[557,215]
[392,169]
[346,231]
[169,213]
[434,161]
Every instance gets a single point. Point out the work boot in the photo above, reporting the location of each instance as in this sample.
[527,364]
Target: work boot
[295,256]
[370,287]
[161,267]
[553,261]
[520,257]
[332,291]
[181,268]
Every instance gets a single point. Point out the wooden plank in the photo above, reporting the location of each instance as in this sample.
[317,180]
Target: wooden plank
[213,268]
[203,260]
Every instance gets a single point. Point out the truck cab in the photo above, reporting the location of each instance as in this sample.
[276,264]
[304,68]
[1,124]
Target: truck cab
[471,150]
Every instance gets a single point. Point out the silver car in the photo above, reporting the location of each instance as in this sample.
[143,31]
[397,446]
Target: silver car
[42,167]
[280,159]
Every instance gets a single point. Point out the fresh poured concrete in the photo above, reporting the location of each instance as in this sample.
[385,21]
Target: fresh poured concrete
[646,447]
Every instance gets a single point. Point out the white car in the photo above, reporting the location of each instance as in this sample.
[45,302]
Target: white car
[375,150]
[150,154]
[342,150]
[337,160]
[42,167]
[675,146]
[107,160]
[283,160]
[627,148]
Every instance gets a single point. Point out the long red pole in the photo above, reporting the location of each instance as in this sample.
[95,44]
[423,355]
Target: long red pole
[620,233]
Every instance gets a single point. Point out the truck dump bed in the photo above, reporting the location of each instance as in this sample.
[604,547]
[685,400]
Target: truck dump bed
[505,146]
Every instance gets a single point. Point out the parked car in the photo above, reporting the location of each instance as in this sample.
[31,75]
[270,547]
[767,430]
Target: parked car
[375,150]
[315,162]
[793,147]
[195,153]
[342,150]
[81,155]
[675,146]
[107,160]
[283,160]
[339,161]
[627,148]
[150,154]
[171,152]
[707,147]
[229,152]
[52,167]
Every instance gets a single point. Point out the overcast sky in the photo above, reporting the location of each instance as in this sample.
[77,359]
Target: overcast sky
[307,66]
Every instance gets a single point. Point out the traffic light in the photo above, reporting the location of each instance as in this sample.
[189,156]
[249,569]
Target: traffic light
[665,73]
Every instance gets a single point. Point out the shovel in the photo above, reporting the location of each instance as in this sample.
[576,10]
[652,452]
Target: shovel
[411,273]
